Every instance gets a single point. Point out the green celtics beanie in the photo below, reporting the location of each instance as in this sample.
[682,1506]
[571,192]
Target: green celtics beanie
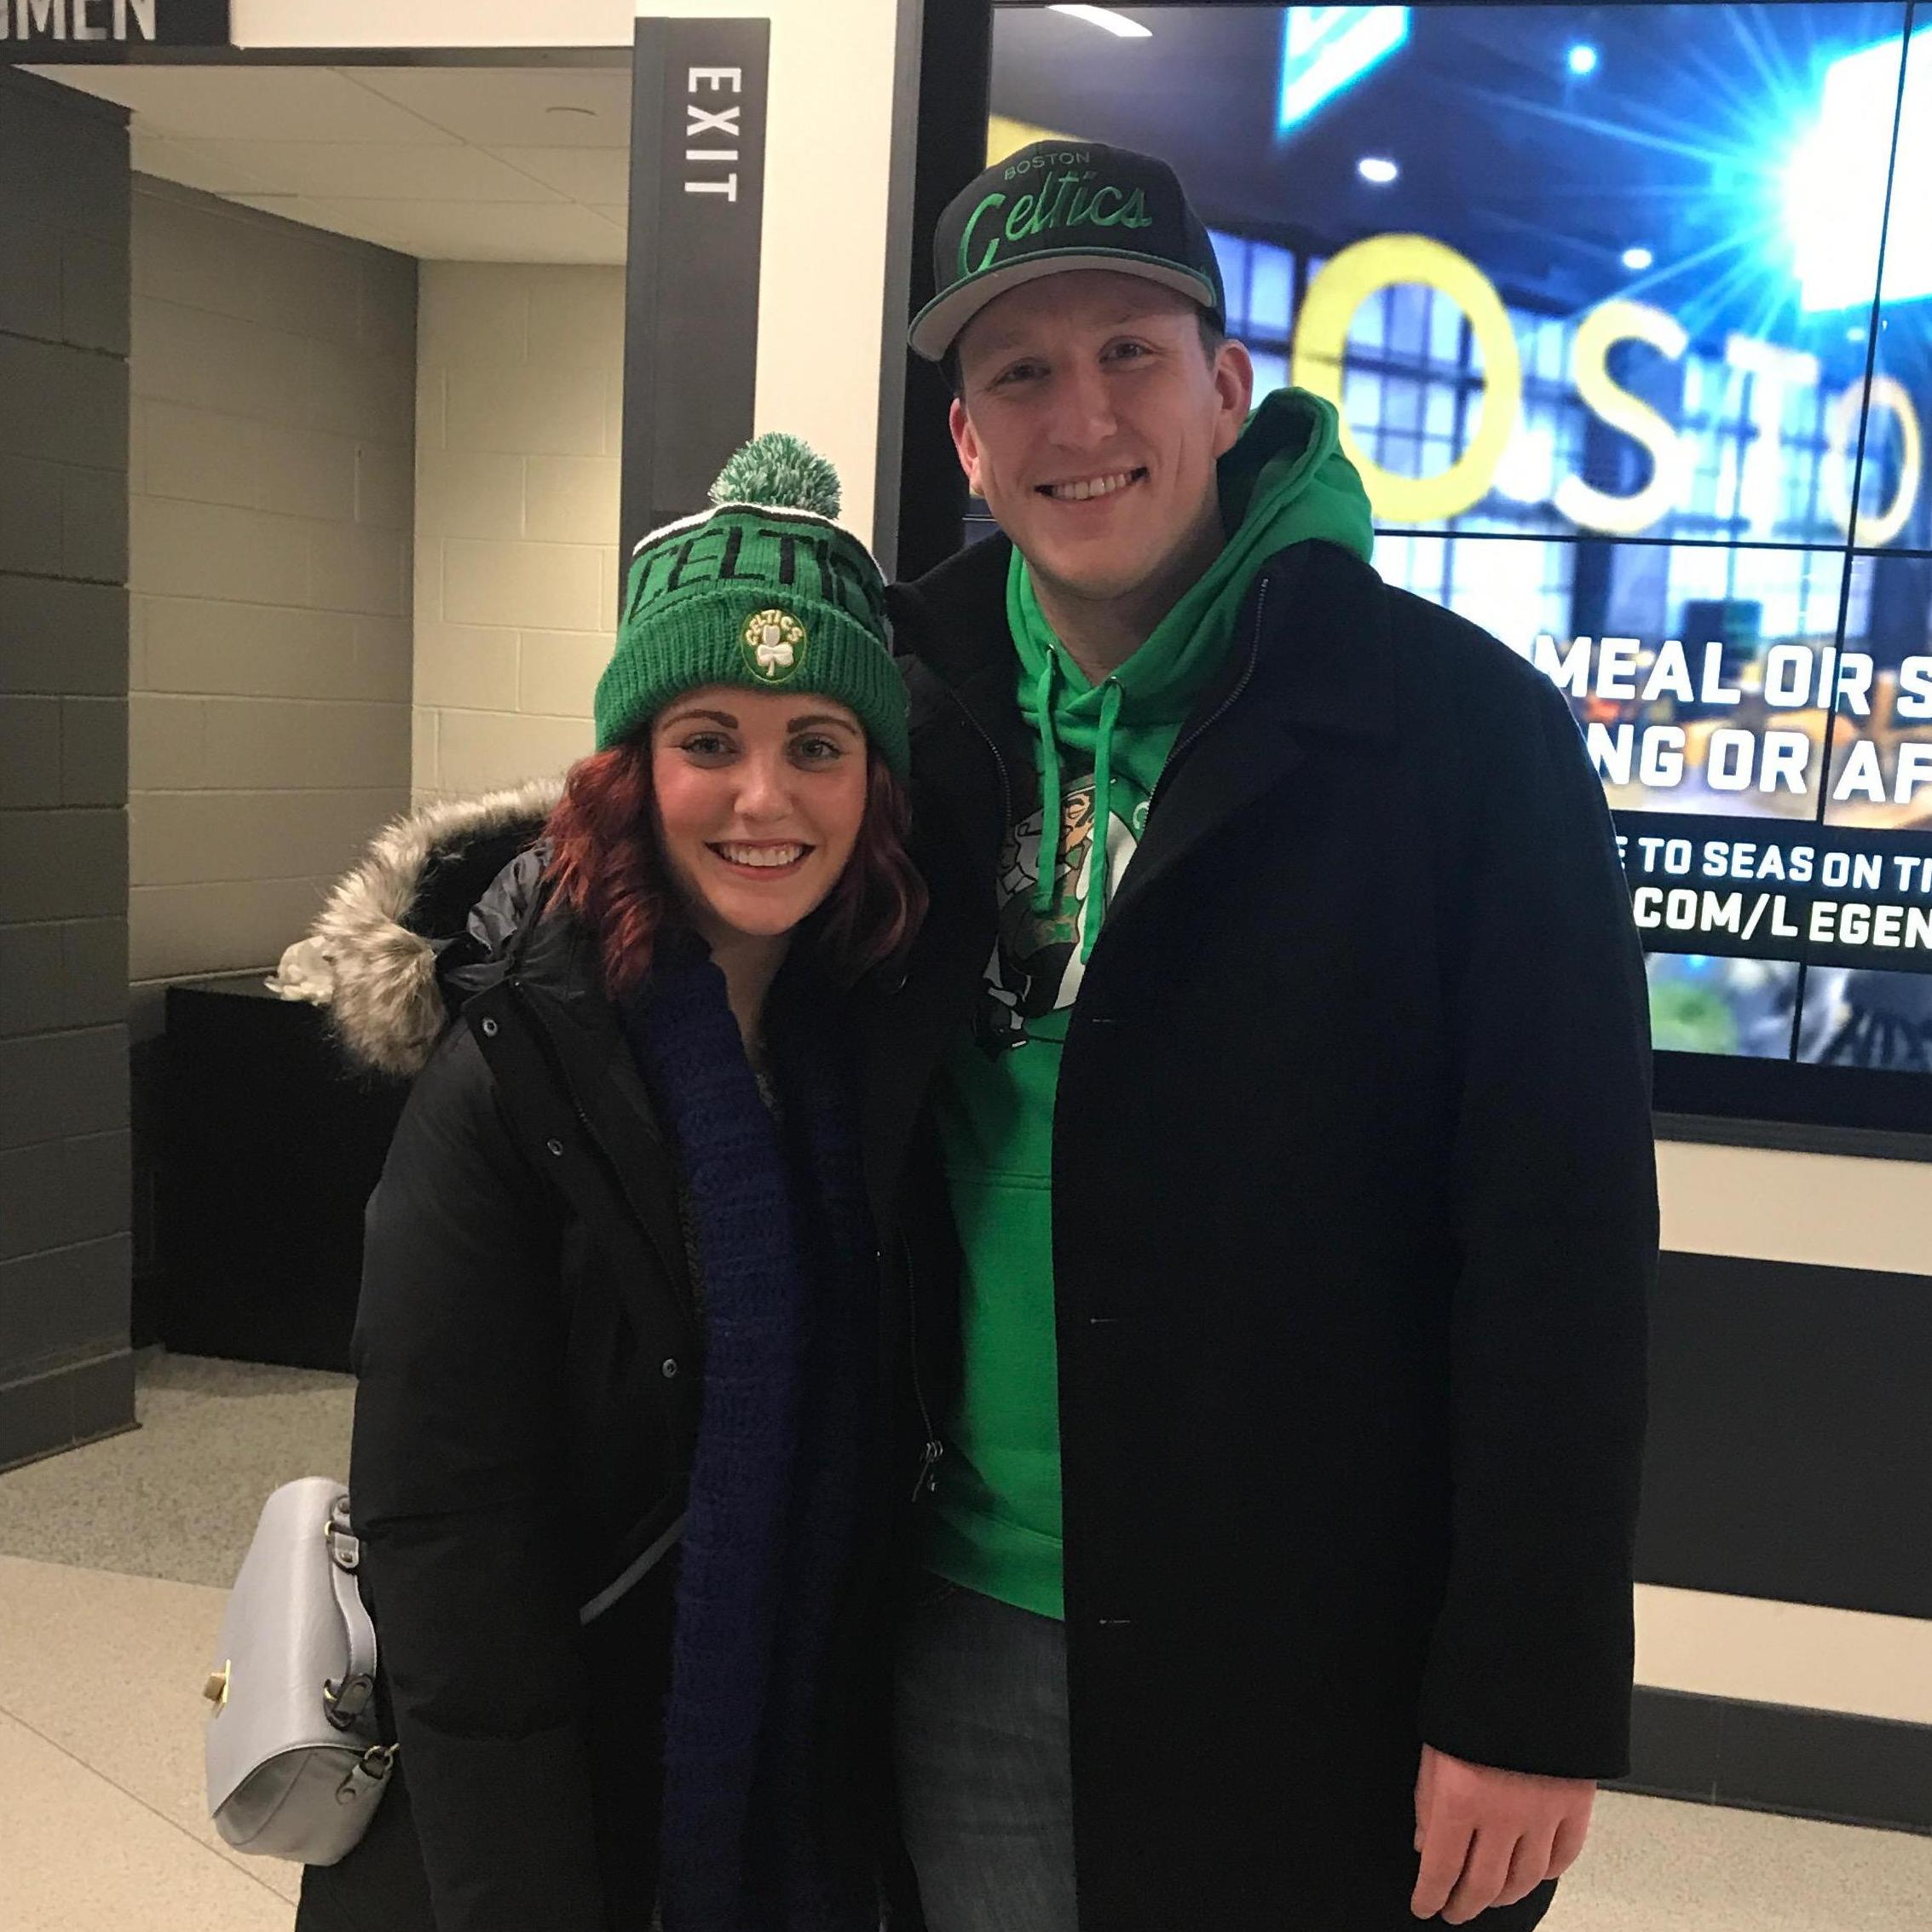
[763,590]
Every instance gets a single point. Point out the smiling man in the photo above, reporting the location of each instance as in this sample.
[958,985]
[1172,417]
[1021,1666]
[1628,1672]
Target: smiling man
[1280,1210]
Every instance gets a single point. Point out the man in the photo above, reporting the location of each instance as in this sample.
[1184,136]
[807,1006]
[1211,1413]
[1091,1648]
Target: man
[1280,1223]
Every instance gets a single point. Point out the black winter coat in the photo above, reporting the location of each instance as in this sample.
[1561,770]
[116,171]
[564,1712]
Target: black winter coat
[529,1365]
[1354,1222]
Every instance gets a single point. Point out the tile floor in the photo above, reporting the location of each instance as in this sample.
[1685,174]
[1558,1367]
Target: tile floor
[114,1560]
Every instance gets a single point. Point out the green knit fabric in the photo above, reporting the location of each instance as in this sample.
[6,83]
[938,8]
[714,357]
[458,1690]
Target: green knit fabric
[762,593]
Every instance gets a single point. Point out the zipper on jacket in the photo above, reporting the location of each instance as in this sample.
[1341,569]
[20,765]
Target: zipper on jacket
[516,984]
[927,1479]
[1006,780]
[546,1052]
[599,1153]
[1227,705]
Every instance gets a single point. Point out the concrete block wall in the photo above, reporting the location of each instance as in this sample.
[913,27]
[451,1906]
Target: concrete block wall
[271,479]
[65,1370]
[519,415]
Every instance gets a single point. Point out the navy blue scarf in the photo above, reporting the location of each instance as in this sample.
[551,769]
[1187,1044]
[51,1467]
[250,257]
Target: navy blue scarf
[785,1239]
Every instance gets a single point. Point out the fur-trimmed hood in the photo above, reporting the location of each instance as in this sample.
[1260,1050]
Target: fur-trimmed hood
[370,958]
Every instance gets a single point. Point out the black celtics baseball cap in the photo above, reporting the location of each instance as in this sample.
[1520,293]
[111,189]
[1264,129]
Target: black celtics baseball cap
[1057,206]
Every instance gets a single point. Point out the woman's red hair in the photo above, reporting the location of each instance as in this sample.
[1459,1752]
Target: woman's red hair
[610,873]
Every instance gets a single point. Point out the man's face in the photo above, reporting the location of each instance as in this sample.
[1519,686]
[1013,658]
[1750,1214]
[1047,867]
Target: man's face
[1090,419]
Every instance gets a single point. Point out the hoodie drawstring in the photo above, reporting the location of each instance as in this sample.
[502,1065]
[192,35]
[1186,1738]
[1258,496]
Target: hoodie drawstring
[1110,696]
[1053,808]
[1050,809]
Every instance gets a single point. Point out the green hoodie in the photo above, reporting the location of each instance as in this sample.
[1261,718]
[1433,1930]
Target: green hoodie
[995,1522]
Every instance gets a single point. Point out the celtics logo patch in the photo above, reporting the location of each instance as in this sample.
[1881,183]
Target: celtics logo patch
[775,645]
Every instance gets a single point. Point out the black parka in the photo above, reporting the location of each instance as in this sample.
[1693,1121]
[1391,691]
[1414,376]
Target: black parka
[1354,1220]
[529,1363]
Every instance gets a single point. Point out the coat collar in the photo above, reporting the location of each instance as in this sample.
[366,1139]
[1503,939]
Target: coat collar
[1312,662]
[1323,663]
[549,964]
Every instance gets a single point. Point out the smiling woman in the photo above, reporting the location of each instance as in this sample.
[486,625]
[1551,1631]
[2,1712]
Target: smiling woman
[751,733]
[737,816]
[630,1175]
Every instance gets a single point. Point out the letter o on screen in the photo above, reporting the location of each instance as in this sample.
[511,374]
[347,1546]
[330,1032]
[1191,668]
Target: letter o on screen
[1321,339]
[1730,757]
[1787,675]
[1841,420]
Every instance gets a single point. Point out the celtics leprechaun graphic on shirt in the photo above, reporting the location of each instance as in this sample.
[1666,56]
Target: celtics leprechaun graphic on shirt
[1036,969]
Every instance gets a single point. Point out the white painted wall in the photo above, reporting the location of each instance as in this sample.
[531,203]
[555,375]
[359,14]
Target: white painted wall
[269,508]
[828,161]
[828,171]
[455,24]
[1828,1210]
[1824,1210]
[520,398]
[1795,1653]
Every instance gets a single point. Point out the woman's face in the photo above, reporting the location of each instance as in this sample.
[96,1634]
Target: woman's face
[759,796]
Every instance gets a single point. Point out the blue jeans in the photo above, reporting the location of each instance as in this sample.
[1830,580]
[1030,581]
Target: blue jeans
[985,1789]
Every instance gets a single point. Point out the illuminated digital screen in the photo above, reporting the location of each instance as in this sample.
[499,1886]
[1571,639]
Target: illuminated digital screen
[1324,48]
[1625,313]
[1836,185]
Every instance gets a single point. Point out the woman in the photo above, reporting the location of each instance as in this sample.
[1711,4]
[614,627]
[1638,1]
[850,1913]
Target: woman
[617,1342]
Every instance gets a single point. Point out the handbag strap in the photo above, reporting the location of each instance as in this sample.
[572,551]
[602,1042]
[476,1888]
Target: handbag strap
[633,1572]
[349,1696]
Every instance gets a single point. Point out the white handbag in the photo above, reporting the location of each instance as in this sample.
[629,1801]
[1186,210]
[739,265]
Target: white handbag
[294,1764]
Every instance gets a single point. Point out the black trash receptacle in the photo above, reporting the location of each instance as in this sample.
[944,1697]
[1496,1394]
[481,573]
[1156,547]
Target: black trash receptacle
[269,1148]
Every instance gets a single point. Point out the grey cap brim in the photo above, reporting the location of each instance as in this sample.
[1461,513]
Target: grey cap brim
[938,326]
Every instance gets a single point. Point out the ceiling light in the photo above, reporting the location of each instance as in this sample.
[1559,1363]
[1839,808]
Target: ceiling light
[1106,19]
[1636,260]
[1373,168]
[1583,58]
